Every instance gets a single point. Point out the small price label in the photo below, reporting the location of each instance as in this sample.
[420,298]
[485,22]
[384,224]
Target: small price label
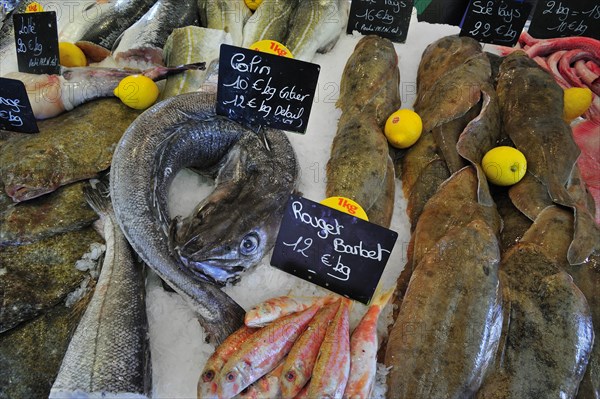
[272,47]
[565,18]
[36,39]
[495,21]
[34,7]
[16,113]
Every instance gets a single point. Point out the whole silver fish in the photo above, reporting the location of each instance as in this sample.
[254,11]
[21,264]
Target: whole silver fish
[144,40]
[180,130]
[316,26]
[270,21]
[109,352]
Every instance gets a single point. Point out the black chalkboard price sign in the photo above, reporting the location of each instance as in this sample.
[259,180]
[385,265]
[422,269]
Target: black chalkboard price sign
[565,18]
[332,249]
[385,18]
[15,110]
[261,89]
[36,39]
[495,21]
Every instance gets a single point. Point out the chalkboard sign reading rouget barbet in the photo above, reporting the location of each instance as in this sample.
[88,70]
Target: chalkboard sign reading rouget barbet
[15,110]
[261,89]
[385,18]
[332,249]
[565,18]
[36,39]
[495,21]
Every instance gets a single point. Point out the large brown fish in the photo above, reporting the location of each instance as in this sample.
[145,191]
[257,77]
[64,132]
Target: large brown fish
[444,339]
[371,79]
[74,146]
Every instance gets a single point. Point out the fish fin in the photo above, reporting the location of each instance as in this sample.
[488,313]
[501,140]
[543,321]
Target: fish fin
[382,297]
[97,195]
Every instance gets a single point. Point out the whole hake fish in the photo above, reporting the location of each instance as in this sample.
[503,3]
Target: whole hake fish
[201,136]
[316,26]
[227,15]
[144,40]
[109,354]
[270,21]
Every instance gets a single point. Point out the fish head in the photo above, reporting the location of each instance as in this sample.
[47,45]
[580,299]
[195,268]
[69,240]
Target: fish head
[233,380]
[222,238]
[207,384]
[291,381]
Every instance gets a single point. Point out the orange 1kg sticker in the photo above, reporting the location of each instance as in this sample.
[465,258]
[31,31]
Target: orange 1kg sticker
[34,7]
[272,47]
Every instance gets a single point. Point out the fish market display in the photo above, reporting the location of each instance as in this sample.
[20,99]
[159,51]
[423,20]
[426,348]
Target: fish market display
[316,27]
[207,384]
[227,15]
[31,353]
[274,308]
[144,40]
[99,39]
[51,95]
[299,364]
[363,351]
[271,21]
[359,167]
[75,146]
[38,276]
[191,45]
[231,229]
[109,352]
[62,211]
[262,352]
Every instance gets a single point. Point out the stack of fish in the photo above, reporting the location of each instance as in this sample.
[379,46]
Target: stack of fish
[491,331]
[360,167]
[296,348]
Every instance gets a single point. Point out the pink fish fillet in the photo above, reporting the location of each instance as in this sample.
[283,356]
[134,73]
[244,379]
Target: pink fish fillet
[587,137]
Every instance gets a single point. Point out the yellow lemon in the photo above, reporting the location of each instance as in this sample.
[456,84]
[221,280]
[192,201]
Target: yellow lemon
[253,4]
[71,55]
[346,205]
[403,128]
[504,166]
[577,101]
[137,91]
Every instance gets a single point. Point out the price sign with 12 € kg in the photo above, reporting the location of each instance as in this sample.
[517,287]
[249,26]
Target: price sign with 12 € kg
[332,249]
[495,21]
[261,89]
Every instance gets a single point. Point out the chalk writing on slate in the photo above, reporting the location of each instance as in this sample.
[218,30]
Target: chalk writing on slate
[495,21]
[15,110]
[565,18]
[260,89]
[332,249]
[385,18]
[36,39]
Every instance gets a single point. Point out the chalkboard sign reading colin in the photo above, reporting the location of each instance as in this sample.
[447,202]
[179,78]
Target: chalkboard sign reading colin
[36,39]
[332,249]
[15,110]
[565,18]
[260,89]
[495,21]
[385,18]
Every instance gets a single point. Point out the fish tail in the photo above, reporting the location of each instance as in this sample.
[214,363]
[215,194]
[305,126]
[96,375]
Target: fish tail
[383,297]
[97,195]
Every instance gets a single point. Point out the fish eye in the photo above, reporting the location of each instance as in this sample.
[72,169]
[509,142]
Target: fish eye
[249,244]
[290,376]
[208,376]
[230,376]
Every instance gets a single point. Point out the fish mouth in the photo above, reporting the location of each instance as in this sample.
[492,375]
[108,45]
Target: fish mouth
[23,193]
[218,271]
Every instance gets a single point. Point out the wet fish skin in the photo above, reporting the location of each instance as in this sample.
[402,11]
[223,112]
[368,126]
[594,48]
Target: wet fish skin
[38,276]
[266,387]
[144,40]
[109,353]
[75,146]
[132,194]
[430,179]
[270,21]
[207,384]
[299,364]
[332,368]
[59,212]
[217,241]
[274,308]
[443,341]
[416,159]
[363,350]
[227,15]
[370,80]
[315,27]
[382,210]
[262,352]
